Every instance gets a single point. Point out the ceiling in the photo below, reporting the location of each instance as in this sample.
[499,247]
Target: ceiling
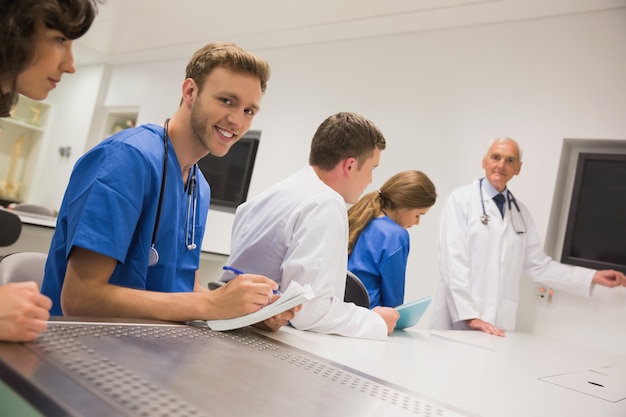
[128,31]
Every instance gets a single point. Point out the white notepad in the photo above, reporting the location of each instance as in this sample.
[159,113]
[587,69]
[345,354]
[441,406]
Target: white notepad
[295,295]
[412,312]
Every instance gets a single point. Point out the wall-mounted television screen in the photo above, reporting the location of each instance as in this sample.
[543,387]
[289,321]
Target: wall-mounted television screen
[595,236]
[229,176]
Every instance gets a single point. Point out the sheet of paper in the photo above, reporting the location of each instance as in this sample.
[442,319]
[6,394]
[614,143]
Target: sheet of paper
[614,371]
[295,295]
[591,382]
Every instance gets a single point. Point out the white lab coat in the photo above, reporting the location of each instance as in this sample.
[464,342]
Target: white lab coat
[298,230]
[481,265]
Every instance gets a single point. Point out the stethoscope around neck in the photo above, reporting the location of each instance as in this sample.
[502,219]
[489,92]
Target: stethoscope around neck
[192,202]
[484,219]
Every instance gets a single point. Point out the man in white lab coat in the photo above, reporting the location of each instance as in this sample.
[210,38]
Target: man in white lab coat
[297,230]
[484,251]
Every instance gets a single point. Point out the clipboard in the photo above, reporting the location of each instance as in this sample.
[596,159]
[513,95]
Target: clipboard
[412,312]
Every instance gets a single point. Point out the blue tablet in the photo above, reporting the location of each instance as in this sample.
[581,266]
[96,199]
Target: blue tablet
[412,312]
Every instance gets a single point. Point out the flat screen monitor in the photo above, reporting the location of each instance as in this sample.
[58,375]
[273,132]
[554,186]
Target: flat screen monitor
[595,236]
[229,176]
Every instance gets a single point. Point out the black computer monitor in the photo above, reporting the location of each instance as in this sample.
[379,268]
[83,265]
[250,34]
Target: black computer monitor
[595,236]
[229,176]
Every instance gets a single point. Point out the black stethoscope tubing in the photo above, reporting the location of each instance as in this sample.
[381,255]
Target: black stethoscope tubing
[153,258]
[484,219]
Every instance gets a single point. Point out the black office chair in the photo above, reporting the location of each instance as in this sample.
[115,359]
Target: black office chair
[356,292]
[10,227]
[213,285]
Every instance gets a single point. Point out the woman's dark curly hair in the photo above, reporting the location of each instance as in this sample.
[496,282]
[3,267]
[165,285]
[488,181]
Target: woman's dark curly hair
[19,22]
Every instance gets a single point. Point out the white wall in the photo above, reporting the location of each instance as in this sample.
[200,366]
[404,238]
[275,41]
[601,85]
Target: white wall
[439,97]
[73,106]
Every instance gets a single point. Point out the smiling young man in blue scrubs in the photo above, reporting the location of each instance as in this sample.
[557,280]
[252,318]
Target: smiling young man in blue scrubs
[101,260]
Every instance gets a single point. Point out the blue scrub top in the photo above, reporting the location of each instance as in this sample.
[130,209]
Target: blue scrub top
[379,259]
[110,208]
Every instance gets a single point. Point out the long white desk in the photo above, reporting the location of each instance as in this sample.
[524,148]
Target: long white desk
[127,369]
[475,372]
[146,369]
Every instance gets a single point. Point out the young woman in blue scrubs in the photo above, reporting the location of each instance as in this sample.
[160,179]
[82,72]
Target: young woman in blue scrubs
[379,241]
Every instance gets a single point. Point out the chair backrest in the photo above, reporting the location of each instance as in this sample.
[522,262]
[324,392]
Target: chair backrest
[356,292]
[34,209]
[23,266]
[10,227]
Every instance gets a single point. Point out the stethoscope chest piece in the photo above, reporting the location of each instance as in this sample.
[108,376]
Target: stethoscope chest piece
[484,219]
[153,258]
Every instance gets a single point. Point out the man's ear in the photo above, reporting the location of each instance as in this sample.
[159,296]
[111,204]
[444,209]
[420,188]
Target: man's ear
[190,91]
[519,168]
[349,165]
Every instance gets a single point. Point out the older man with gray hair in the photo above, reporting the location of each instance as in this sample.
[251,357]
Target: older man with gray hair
[487,240]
